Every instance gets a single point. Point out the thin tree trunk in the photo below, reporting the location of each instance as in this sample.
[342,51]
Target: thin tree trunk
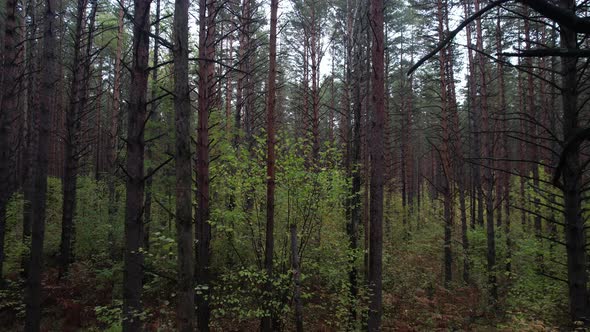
[444,151]
[74,116]
[152,115]
[487,141]
[267,322]
[113,134]
[242,82]
[296,279]
[315,93]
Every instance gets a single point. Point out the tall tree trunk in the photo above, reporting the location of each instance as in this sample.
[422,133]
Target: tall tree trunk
[114,132]
[203,227]
[184,217]
[267,322]
[30,137]
[33,294]
[377,166]
[504,197]
[487,141]
[353,160]
[315,89]
[136,120]
[153,114]
[575,234]
[531,128]
[75,113]
[444,151]
[8,112]
[474,121]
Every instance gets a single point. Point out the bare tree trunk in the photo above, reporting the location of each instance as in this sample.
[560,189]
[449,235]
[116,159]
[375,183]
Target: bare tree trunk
[353,159]
[30,135]
[8,112]
[444,151]
[152,115]
[244,56]
[504,197]
[575,234]
[377,167]
[184,218]
[206,96]
[75,113]
[315,93]
[267,322]
[136,120]
[33,294]
[114,132]
[487,141]
[296,279]
[474,119]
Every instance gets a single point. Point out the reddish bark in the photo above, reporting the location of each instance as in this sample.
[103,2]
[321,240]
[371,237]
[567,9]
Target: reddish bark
[377,165]
[487,140]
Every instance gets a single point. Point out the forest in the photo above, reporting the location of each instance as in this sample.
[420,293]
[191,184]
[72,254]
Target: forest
[294,165]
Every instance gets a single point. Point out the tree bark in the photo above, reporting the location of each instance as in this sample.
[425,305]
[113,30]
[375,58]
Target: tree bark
[267,322]
[136,119]
[114,133]
[377,167]
[8,112]
[75,114]
[206,96]
[33,294]
[444,151]
[184,218]
[153,114]
[575,234]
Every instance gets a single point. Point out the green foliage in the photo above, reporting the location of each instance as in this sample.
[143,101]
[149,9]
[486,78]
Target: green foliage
[110,316]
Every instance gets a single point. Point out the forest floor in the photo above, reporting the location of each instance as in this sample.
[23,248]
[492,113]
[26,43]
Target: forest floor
[414,299]
[84,303]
